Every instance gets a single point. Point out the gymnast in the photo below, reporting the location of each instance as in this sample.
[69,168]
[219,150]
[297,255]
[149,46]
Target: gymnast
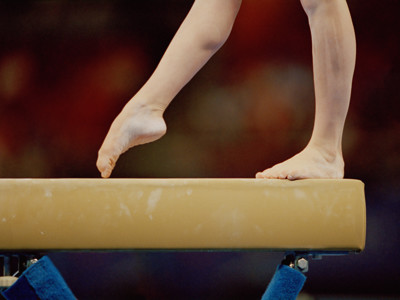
[204,30]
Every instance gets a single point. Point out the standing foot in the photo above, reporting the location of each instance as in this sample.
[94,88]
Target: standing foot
[136,125]
[312,162]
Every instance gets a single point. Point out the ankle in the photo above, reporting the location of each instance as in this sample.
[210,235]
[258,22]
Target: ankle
[331,153]
[151,100]
[137,105]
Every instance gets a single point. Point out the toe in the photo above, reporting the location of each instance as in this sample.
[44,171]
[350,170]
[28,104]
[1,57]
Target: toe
[105,164]
[103,168]
[260,175]
[264,174]
[281,176]
[106,173]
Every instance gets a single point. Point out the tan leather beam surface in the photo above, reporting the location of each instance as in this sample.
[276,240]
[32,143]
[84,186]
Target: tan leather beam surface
[128,214]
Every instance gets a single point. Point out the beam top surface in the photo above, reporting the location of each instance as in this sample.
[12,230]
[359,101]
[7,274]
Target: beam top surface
[182,214]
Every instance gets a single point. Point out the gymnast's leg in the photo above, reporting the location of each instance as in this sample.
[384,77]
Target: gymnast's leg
[334,52]
[202,33]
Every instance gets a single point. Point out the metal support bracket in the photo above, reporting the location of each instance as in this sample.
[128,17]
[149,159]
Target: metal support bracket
[12,266]
[300,260]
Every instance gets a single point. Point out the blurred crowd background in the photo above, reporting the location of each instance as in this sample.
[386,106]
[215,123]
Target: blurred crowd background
[68,67]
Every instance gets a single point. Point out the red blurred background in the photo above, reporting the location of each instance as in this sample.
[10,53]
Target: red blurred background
[68,67]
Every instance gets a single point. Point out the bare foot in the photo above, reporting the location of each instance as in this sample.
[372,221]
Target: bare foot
[135,125]
[309,163]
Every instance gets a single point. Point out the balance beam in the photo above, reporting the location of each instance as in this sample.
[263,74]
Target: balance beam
[182,214]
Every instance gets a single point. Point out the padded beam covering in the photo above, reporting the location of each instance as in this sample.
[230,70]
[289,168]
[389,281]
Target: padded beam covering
[128,214]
